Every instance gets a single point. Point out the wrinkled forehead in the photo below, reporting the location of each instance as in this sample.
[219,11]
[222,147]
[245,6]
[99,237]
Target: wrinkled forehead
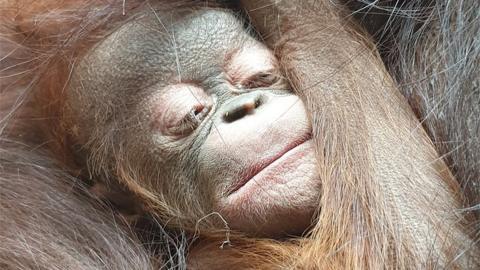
[167,42]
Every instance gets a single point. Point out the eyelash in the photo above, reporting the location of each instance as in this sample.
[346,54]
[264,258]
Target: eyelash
[259,80]
[193,119]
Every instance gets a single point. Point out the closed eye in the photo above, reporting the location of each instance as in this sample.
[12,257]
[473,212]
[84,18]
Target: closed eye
[260,80]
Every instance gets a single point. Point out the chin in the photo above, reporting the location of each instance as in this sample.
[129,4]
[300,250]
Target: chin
[280,199]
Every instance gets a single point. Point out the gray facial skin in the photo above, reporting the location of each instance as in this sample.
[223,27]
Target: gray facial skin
[196,114]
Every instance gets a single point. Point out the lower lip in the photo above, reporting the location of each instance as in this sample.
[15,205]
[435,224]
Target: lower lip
[272,174]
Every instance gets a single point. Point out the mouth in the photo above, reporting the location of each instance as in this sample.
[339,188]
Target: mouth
[263,164]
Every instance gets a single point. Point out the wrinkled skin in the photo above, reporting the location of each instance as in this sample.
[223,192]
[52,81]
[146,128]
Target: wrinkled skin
[201,109]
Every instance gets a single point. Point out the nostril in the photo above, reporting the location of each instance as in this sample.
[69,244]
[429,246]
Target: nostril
[239,108]
[238,112]
[249,107]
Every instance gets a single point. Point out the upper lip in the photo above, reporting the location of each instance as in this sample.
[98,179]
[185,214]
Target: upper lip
[259,166]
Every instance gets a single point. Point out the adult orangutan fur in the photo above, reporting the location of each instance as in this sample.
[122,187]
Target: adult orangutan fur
[413,219]
[432,51]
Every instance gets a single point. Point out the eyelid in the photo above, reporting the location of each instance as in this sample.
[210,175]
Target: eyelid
[254,81]
[212,107]
[173,110]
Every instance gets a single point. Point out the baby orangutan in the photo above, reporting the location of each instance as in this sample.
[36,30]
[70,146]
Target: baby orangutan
[194,116]
[159,130]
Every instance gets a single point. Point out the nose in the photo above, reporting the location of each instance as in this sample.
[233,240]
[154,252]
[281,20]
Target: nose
[241,106]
